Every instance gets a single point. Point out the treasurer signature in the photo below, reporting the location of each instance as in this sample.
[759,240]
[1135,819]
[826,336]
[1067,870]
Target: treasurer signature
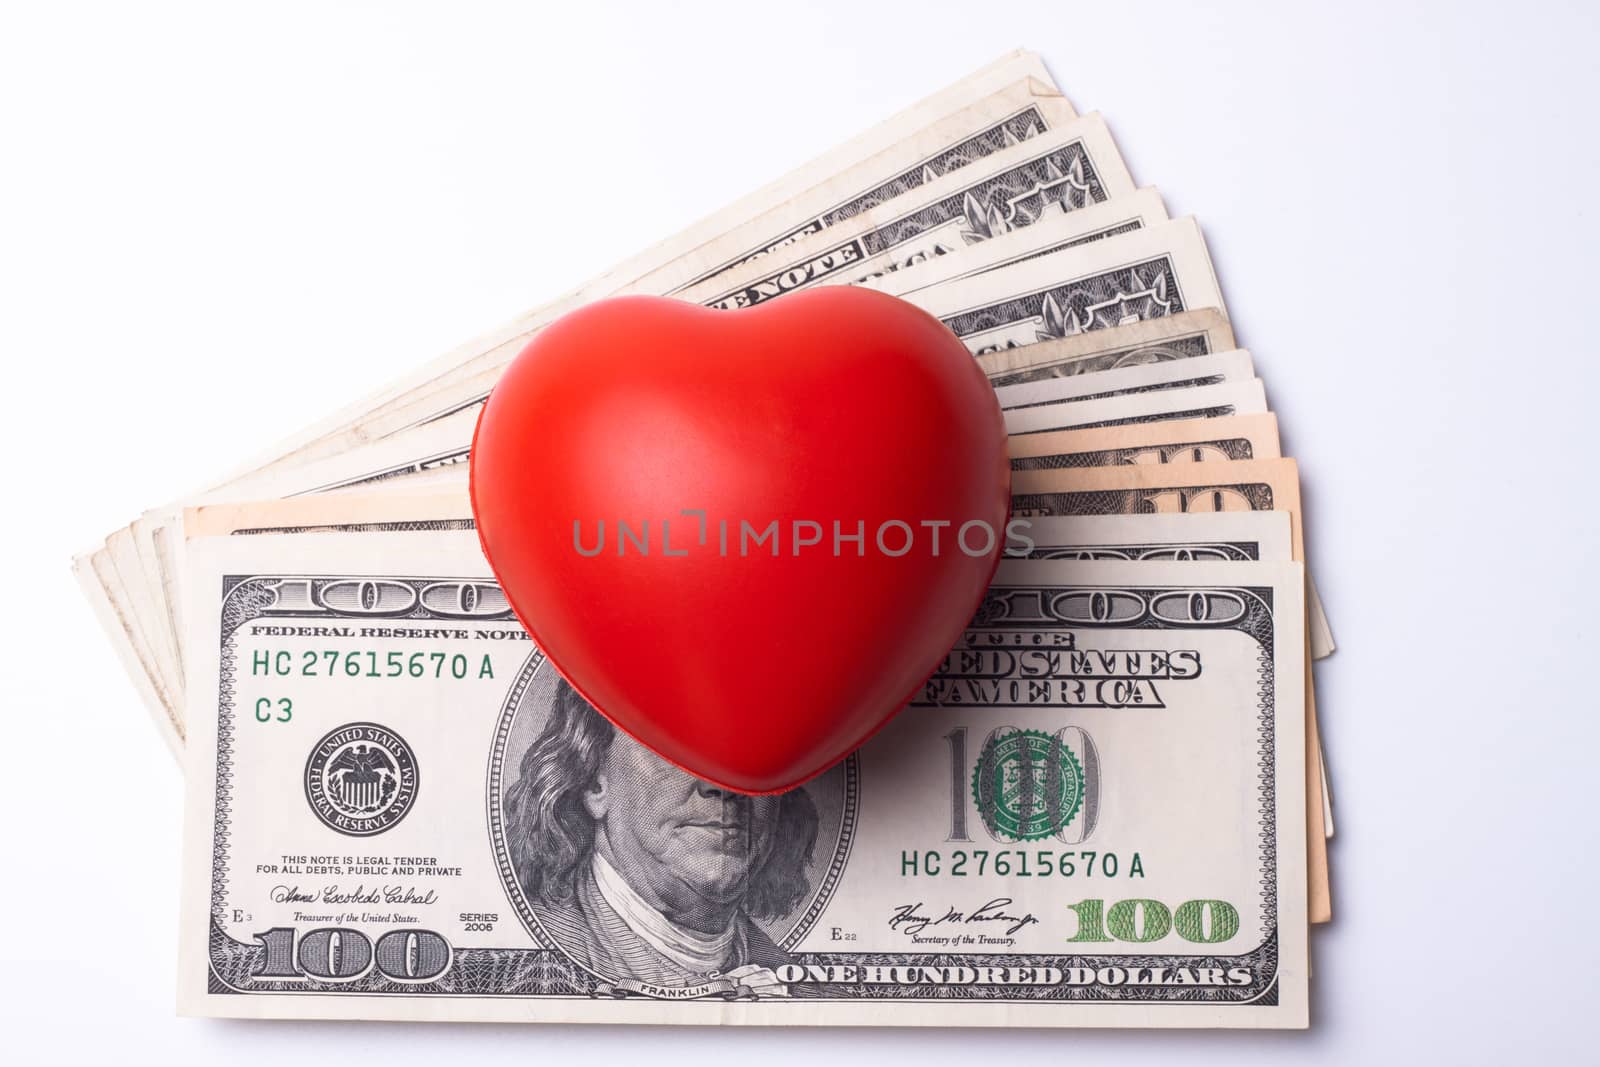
[333,894]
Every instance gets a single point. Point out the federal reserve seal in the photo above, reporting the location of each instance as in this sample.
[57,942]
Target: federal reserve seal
[1027,784]
[361,779]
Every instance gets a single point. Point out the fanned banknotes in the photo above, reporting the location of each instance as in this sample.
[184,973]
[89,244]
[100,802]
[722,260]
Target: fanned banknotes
[1108,806]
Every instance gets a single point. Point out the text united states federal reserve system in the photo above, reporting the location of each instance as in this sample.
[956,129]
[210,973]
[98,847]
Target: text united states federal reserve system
[1108,807]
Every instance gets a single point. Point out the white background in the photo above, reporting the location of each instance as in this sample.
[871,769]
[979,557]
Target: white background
[221,222]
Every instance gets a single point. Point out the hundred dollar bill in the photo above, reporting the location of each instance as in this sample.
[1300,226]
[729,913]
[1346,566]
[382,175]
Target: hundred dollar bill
[1044,179]
[1234,365]
[396,809]
[1147,274]
[1257,485]
[1231,437]
[1181,336]
[1202,402]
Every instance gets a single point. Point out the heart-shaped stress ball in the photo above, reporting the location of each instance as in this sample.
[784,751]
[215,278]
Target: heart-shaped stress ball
[746,537]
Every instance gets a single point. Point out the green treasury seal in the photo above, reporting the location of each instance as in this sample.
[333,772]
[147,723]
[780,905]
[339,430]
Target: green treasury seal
[1027,785]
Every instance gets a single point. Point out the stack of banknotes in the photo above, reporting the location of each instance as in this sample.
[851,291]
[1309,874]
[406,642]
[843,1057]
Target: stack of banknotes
[1106,808]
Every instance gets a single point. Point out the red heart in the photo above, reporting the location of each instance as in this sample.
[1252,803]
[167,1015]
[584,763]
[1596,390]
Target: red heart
[751,671]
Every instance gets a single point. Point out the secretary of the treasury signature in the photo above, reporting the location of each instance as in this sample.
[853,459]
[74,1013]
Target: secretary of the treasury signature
[911,919]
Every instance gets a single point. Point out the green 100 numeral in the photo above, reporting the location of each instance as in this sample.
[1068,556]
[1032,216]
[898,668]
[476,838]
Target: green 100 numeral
[1205,922]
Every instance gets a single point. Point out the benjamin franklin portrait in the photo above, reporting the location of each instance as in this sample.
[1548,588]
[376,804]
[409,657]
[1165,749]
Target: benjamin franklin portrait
[639,870]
